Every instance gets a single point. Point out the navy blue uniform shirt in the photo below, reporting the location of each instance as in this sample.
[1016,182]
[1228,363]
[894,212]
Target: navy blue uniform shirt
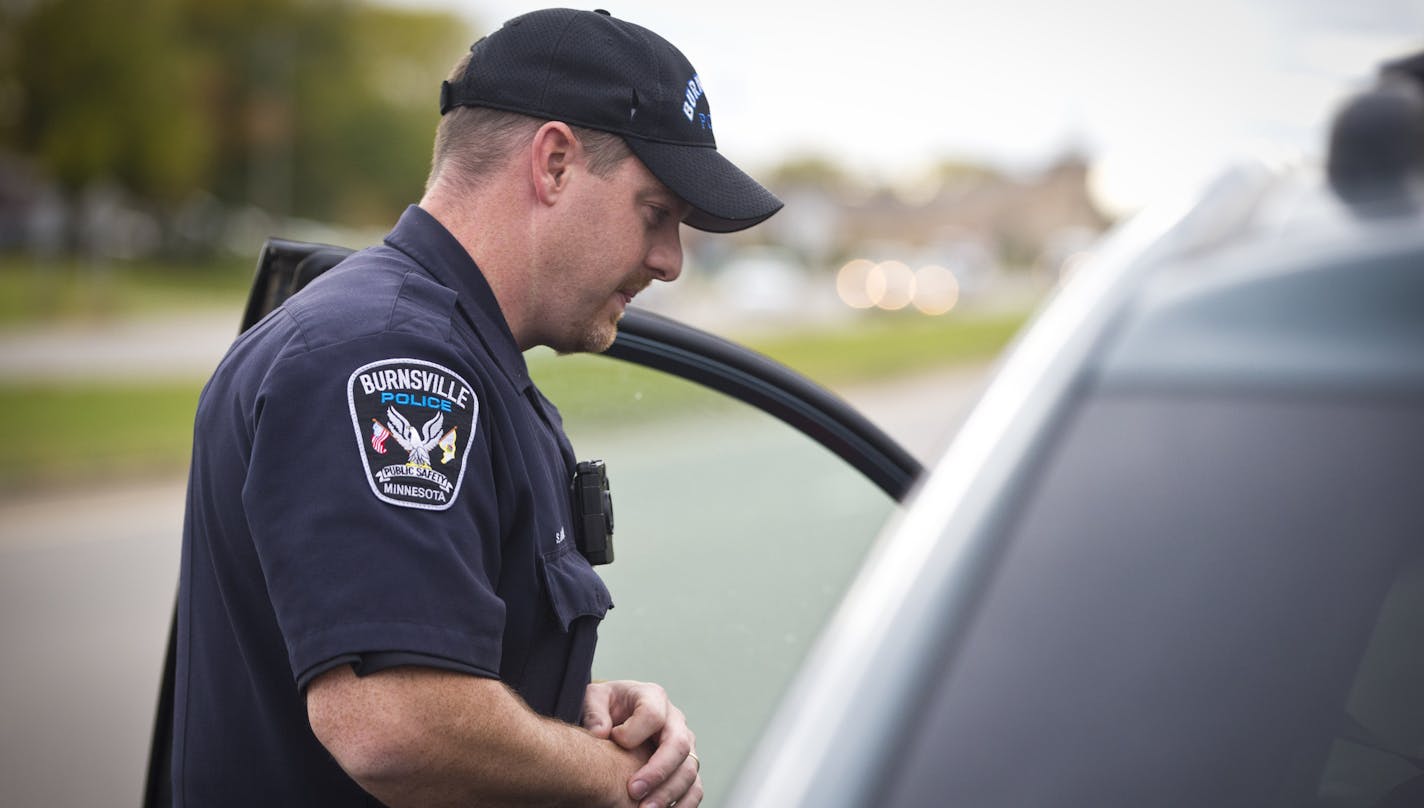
[375,482]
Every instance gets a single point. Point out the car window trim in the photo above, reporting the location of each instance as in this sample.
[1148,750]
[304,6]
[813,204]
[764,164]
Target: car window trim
[661,343]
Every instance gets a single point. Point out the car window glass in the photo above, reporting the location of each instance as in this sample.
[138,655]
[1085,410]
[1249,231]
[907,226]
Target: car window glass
[1379,754]
[735,537]
[1204,600]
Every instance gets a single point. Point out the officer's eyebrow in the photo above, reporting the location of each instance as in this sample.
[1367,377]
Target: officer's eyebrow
[655,191]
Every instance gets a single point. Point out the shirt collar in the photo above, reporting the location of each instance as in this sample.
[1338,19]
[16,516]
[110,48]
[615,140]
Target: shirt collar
[423,238]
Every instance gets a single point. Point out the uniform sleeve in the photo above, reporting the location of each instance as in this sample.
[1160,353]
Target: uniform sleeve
[371,503]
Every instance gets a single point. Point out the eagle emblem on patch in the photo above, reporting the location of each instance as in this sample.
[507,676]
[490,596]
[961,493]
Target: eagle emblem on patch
[414,421]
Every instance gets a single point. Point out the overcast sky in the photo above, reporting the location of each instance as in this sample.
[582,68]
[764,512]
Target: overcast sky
[1156,93]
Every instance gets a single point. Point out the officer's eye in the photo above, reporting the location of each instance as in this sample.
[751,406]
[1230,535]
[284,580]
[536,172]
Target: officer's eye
[657,215]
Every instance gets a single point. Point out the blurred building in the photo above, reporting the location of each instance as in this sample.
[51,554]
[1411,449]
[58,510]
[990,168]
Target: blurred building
[962,234]
[1016,219]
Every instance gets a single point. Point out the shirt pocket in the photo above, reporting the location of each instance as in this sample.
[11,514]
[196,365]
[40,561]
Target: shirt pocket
[573,588]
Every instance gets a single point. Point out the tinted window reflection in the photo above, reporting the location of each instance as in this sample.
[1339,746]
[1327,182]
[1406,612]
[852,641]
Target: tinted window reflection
[1203,602]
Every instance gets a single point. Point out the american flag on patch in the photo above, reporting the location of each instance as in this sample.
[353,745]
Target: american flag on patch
[379,433]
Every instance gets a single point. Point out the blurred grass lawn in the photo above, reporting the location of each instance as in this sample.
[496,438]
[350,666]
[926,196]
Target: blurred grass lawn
[83,432]
[89,431]
[879,347]
[69,291]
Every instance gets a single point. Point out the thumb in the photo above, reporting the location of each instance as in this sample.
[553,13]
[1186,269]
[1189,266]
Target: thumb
[596,717]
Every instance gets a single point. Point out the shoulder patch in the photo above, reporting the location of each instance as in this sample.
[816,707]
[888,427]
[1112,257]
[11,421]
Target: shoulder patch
[414,422]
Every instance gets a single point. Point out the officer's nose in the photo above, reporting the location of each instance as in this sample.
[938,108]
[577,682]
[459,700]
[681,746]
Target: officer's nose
[665,258]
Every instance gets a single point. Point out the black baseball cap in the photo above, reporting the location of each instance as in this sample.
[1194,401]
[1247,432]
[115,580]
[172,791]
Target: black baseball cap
[588,69]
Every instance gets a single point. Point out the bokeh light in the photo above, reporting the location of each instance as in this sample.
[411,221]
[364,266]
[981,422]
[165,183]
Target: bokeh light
[891,285]
[936,290]
[853,283]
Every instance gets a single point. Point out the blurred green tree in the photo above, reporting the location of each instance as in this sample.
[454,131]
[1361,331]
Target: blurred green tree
[812,170]
[954,172]
[382,133]
[317,108]
[103,91]
[324,108]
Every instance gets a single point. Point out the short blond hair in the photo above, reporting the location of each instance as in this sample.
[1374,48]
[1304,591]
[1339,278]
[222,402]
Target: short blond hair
[472,142]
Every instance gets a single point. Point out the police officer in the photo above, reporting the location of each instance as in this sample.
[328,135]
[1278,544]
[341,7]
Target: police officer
[381,596]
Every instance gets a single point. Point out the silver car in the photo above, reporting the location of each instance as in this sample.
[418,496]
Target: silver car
[1175,557]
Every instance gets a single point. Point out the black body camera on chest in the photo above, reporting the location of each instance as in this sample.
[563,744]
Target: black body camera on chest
[593,512]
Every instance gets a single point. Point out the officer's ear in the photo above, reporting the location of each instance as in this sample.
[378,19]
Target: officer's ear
[553,153]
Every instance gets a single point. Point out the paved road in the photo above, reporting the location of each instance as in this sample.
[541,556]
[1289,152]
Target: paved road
[86,584]
[184,345]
